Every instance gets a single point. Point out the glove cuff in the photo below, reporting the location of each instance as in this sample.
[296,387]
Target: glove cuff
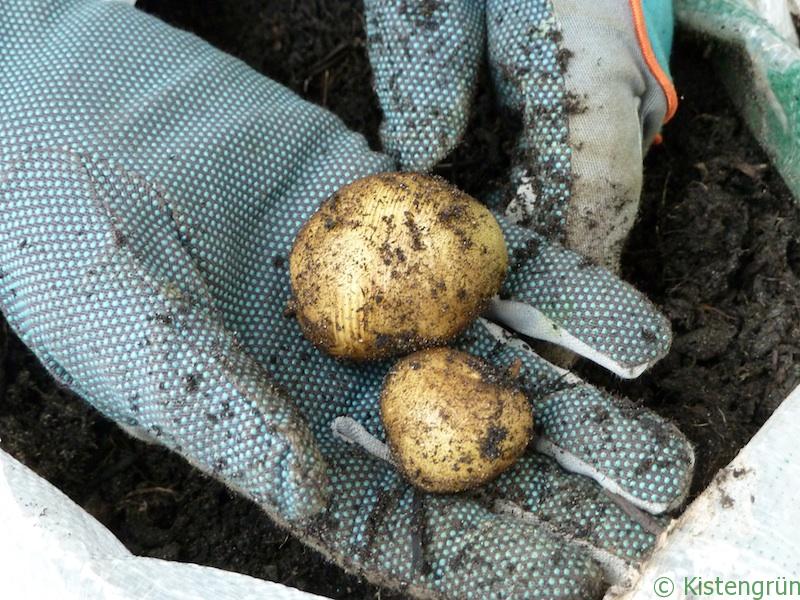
[653,22]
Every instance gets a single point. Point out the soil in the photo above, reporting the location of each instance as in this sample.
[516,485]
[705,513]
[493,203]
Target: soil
[716,248]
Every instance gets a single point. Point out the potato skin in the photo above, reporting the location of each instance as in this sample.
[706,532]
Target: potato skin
[392,263]
[452,422]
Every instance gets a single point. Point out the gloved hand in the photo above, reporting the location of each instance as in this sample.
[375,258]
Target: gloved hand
[151,189]
[587,79]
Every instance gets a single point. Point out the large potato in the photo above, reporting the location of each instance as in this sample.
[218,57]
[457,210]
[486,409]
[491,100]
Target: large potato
[452,422]
[392,263]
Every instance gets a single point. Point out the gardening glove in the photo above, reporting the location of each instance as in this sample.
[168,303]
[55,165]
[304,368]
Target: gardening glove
[150,191]
[587,79]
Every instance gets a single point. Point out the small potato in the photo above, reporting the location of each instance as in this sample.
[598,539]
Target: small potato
[392,263]
[452,422]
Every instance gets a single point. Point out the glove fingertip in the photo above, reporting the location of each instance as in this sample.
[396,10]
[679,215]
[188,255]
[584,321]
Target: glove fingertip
[425,59]
[562,297]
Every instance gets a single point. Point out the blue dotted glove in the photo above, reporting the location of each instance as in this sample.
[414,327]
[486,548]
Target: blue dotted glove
[588,81]
[151,189]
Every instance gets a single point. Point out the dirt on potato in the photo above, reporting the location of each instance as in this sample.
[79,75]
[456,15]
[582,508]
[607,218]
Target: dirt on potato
[716,248]
[426,257]
[453,421]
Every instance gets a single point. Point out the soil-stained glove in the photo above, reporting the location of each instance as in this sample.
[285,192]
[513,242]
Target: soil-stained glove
[150,191]
[588,80]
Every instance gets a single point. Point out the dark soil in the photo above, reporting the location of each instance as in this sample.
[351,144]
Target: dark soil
[716,247]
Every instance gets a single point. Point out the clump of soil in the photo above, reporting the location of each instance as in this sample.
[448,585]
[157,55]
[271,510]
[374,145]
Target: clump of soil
[716,247]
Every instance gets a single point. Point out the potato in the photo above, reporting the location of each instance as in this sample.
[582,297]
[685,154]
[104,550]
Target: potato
[392,263]
[452,421]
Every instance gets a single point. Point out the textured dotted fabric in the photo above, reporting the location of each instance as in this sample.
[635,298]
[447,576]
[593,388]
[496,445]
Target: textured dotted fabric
[527,67]
[647,457]
[151,188]
[425,58]
[584,299]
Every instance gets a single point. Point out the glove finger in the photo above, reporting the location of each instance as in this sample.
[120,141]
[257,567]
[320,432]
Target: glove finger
[526,63]
[451,546]
[537,490]
[628,450]
[425,58]
[553,294]
[91,258]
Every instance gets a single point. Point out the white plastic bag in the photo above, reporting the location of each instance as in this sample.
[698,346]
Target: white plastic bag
[50,548]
